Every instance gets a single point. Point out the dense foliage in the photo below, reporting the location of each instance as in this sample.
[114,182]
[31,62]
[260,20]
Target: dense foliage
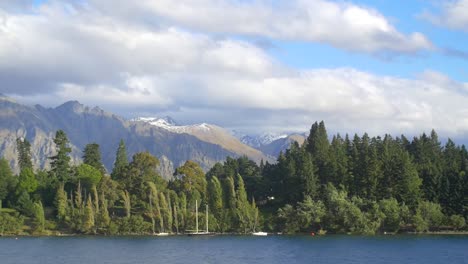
[346,185]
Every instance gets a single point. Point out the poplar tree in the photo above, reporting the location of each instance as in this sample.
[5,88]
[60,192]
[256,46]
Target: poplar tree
[39,217]
[242,204]
[88,221]
[61,203]
[215,200]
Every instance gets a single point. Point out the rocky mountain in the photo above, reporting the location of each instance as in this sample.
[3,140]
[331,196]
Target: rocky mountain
[205,144]
[270,144]
[257,141]
[208,133]
[274,148]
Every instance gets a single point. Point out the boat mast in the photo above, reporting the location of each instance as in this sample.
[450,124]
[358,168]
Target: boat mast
[196,215]
[206,218]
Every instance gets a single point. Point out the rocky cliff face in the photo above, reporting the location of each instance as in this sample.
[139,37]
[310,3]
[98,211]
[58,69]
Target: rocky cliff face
[85,125]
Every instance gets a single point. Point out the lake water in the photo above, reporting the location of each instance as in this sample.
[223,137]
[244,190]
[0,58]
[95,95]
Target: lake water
[235,249]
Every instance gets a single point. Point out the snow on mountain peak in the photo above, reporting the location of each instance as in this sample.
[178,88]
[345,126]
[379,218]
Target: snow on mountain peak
[257,141]
[169,124]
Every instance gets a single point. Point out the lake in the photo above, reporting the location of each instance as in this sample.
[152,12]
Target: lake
[235,249]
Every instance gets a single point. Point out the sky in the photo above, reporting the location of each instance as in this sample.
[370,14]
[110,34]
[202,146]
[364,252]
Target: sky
[381,66]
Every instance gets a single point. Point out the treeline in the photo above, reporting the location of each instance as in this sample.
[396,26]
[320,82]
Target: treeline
[368,185]
[356,185]
[132,199]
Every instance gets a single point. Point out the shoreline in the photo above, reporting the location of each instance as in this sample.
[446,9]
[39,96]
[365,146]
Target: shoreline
[441,233]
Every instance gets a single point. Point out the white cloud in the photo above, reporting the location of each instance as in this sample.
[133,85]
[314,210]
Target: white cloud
[453,14]
[70,53]
[340,24]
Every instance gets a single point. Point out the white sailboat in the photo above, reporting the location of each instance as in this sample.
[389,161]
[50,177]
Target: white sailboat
[197,232]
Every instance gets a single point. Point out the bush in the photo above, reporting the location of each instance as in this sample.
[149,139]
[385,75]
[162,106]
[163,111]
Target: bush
[133,225]
[457,221]
[10,224]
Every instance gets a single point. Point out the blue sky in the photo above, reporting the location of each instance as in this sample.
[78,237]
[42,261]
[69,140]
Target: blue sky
[405,15]
[251,65]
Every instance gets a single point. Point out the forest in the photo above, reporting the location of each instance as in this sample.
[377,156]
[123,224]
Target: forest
[328,185]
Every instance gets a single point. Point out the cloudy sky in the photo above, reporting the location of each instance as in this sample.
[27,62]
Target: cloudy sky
[252,65]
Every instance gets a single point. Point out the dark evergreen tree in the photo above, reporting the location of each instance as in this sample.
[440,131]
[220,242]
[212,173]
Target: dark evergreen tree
[121,161]
[318,145]
[24,153]
[92,157]
[60,163]
[6,180]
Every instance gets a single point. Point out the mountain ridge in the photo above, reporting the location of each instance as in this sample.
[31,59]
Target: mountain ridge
[84,125]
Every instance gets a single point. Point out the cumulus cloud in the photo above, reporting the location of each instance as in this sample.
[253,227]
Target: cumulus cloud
[453,14]
[340,24]
[68,52]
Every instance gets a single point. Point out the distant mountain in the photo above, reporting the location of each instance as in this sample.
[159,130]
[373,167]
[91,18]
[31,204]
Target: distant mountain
[257,141]
[274,148]
[208,133]
[270,144]
[205,144]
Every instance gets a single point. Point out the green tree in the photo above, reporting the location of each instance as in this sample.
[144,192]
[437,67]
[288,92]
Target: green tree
[391,211]
[60,163]
[310,214]
[141,170]
[215,199]
[88,217]
[126,200]
[27,181]
[24,153]
[6,179]
[288,220]
[191,177]
[61,203]
[427,153]
[88,175]
[318,145]
[428,215]
[457,221]
[39,217]
[10,224]
[92,157]
[121,161]
[102,217]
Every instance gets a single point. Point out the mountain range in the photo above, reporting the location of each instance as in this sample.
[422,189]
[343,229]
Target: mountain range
[172,143]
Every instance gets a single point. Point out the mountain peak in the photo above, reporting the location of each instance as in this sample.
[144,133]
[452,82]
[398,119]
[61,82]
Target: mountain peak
[163,122]
[74,106]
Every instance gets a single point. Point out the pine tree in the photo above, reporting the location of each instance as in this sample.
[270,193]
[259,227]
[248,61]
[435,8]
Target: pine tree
[92,157]
[318,145]
[6,179]
[60,163]
[121,161]
[24,153]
